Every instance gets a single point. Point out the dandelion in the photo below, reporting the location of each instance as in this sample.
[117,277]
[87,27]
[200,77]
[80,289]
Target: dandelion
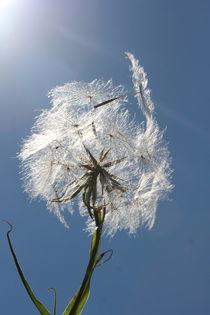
[89,147]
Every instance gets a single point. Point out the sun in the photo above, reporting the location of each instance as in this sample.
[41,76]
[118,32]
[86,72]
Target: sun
[5,2]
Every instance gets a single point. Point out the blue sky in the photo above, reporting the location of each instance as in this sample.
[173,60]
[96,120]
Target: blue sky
[48,43]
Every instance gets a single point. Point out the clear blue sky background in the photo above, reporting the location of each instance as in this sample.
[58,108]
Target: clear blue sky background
[44,43]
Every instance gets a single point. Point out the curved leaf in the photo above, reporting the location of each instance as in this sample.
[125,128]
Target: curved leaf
[42,309]
[55,300]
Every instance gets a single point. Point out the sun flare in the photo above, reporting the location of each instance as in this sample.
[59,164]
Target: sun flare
[5,2]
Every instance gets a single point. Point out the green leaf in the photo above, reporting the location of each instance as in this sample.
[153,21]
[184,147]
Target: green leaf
[70,305]
[82,302]
[55,300]
[42,309]
[110,251]
[84,299]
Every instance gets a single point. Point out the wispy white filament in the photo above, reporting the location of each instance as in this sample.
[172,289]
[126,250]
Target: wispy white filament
[53,157]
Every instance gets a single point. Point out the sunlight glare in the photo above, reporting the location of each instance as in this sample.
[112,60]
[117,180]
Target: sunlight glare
[2,2]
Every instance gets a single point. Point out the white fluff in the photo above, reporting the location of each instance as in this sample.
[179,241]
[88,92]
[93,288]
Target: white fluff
[52,157]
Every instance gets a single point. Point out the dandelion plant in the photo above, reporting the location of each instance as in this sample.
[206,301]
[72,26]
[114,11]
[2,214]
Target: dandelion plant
[89,146]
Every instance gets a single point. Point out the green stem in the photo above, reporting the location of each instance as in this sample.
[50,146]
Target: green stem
[95,246]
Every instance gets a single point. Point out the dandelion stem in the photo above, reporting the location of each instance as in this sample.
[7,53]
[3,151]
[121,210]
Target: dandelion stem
[94,259]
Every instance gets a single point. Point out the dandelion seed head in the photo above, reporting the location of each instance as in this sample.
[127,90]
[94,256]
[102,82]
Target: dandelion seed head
[98,155]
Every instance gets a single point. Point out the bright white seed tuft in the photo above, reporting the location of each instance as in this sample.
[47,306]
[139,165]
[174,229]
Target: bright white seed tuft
[89,130]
